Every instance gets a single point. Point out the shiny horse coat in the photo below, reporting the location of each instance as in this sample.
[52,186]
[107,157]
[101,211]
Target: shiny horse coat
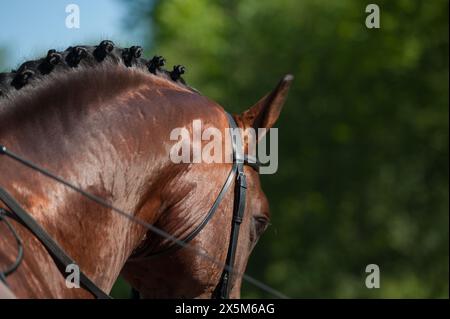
[100,117]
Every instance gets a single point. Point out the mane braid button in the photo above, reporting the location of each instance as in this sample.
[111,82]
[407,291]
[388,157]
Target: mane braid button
[50,61]
[102,50]
[76,54]
[22,77]
[177,71]
[136,51]
[155,64]
[130,55]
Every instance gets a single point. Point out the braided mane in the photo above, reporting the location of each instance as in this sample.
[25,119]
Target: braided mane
[85,57]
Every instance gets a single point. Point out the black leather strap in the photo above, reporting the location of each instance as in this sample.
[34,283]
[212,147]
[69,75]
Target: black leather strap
[59,255]
[223,288]
[4,215]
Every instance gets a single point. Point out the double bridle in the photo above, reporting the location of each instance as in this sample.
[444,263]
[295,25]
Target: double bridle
[62,260]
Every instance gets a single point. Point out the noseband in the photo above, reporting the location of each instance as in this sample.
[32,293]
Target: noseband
[222,289]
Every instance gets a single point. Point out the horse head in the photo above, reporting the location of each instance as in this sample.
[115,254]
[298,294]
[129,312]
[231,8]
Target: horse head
[158,268]
[102,117]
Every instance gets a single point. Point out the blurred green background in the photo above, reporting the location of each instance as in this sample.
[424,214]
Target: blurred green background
[363,166]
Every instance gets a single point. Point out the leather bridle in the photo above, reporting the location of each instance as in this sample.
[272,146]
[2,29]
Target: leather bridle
[62,260]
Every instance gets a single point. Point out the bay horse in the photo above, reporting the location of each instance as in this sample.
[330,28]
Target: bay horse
[100,117]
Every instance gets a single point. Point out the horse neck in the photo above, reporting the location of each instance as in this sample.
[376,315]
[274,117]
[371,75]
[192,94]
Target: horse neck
[108,144]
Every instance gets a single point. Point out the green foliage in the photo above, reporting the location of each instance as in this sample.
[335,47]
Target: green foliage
[363,174]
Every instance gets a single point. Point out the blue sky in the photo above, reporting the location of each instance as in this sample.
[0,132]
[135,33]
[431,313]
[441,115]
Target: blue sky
[29,28]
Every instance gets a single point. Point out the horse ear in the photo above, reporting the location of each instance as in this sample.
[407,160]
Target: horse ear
[266,111]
